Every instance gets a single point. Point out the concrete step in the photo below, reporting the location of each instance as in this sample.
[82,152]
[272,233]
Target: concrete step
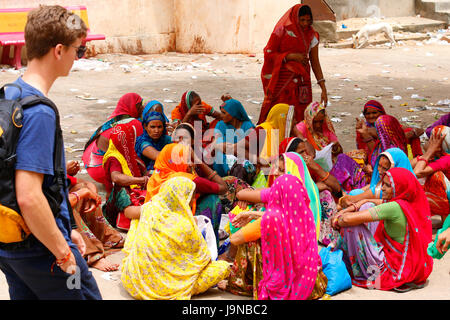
[439,5]
[442,6]
[434,9]
[407,24]
[349,44]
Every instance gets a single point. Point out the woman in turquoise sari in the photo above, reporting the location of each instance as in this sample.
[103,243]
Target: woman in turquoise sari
[154,138]
[391,158]
[154,105]
[233,127]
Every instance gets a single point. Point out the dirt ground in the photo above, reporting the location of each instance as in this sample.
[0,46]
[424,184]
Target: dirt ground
[410,80]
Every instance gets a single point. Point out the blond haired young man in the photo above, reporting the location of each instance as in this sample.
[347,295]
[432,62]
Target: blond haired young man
[49,264]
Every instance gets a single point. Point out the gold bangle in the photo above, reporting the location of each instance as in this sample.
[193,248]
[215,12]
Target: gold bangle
[211,175]
[339,219]
[76,195]
[326,177]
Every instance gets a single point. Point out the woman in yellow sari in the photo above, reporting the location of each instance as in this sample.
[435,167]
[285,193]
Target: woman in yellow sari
[166,255]
[260,146]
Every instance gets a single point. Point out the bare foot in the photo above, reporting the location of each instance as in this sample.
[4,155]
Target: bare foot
[222,285]
[105,265]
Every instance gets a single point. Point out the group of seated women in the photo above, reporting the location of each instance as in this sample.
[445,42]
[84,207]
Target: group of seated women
[286,188]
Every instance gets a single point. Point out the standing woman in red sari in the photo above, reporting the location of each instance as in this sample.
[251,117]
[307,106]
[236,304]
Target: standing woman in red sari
[292,50]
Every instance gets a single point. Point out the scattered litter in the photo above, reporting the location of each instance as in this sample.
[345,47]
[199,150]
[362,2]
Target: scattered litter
[194,77]
[345,114]
[337,120]
[385,71]
[12,70]
[70,150]
[68,116]
[445,102]
[73,131]
[169,101]
[336,97]
[422,108]
[397,97]
[86,96]
[357,89]
[419,65]
[125,68]
[410,88]
[411,118]
[255,102]
[337,75]
[90,65]
[429,54]
[347,80]
[166,89]
[388,88]
[74,90]
[438,108]
[109,276]
[404,104]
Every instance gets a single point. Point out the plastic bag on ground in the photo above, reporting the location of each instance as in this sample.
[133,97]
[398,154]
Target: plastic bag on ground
[334,268]
[205,226]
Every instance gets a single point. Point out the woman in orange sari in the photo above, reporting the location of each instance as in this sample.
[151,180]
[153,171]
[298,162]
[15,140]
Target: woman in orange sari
[290,54]
[176,160]
[434,168]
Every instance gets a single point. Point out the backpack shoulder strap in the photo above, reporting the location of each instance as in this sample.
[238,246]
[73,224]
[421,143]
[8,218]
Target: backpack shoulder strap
[60,178]
[33,100]
[2,89]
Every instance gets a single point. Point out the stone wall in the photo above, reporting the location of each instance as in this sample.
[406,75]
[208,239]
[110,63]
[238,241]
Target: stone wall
[132,26]
[219,26]
[143,26]
[346,9]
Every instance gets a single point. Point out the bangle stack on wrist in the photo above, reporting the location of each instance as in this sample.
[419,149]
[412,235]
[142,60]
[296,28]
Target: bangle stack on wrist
[326,177]
[76,195]
[419,158]
[211,175]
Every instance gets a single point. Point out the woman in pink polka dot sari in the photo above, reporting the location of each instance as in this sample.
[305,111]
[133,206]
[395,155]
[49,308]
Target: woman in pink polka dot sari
[288,242]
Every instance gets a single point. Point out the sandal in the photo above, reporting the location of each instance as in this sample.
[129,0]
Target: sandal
[408,287]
